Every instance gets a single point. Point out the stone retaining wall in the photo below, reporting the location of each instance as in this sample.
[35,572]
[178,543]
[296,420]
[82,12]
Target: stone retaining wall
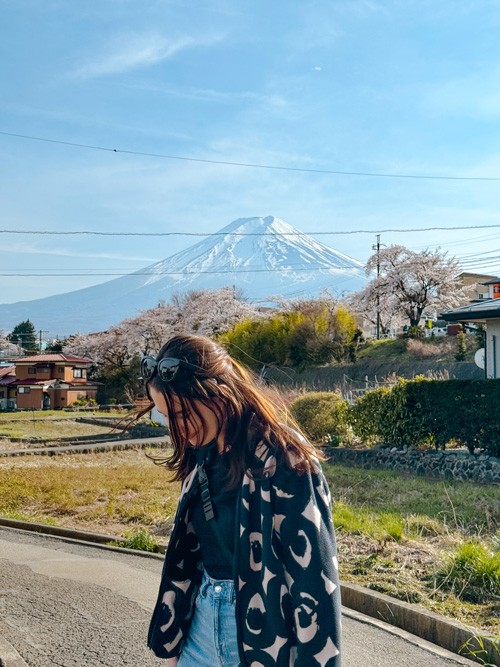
[459,466]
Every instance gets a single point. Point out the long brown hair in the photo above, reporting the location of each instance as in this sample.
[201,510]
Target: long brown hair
[239,404]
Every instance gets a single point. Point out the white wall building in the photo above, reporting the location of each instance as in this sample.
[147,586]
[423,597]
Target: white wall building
[487,313]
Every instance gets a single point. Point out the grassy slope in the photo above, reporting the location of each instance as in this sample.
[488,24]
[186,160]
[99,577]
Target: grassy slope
[438,347]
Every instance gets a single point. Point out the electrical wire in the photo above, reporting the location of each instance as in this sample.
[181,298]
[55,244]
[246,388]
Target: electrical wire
[89,232]
[249,164]
[174,273]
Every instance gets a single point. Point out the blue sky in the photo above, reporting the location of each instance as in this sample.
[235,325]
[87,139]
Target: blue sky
[395,86]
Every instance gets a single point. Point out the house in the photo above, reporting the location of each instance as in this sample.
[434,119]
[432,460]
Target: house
[477,286]
[48,381]
[485,312]
[7,387]
[494,288]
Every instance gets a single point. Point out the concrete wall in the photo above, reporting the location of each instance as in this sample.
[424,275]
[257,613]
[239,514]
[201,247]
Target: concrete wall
[493,348]
[460,466]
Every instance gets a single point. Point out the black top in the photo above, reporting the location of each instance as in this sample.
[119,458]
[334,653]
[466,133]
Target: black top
[216,535]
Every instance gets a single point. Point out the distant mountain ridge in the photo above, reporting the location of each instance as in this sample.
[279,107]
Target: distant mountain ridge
[262,257]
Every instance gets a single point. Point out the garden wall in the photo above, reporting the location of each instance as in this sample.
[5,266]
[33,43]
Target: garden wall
[459,466]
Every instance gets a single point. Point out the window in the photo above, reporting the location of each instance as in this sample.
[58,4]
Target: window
[60,370]
[77,372]
[24,390]
[31,370]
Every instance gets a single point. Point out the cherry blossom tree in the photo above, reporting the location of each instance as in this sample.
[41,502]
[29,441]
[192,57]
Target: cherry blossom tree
[117,351]
[365,304]
[7,348]
[410,283]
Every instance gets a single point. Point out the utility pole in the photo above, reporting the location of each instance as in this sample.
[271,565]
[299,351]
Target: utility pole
[377,248]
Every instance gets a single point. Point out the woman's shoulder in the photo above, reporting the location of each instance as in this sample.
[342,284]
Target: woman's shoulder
[291,454]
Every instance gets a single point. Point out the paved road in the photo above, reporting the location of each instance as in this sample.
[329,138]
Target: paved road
[72,605]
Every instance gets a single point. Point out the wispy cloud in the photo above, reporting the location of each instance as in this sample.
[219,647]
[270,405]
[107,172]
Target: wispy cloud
[29,249]
[131,51]
[209,95]
[476,95]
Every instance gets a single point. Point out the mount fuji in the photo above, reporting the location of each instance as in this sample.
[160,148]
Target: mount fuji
[262,257]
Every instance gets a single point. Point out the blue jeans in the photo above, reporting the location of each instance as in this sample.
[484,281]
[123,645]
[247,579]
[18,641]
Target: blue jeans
[212,640]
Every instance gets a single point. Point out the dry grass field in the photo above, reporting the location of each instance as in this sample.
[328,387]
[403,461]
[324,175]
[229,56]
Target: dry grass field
[43,426]
[431,543]
[50,424]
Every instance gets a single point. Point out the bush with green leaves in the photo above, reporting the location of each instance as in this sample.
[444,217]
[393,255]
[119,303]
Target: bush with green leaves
[323,416]
[369,415]
[83,401]
[423,412]
[313,334]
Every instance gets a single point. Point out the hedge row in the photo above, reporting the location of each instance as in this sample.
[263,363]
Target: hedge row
[422,412]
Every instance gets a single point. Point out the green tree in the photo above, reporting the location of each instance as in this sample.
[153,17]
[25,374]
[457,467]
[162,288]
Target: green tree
[24,334]
[119,384]
[56,345]
[312,332]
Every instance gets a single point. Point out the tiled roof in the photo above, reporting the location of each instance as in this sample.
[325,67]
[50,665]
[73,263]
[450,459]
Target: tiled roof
[54,358]
[32,381]
[486,309]
[7,370]
[70,385]
[7,380]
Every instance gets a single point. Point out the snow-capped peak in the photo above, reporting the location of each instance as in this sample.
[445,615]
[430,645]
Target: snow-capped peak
[263,257]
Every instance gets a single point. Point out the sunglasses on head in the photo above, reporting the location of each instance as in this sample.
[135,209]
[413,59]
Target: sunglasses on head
[166,368]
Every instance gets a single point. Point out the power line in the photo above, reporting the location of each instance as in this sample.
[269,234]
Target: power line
[479,260]
[88,232]
[251,165]
[172,273]
[121,270]
[472,255]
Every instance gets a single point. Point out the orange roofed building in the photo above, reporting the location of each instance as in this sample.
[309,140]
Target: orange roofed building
[52,381]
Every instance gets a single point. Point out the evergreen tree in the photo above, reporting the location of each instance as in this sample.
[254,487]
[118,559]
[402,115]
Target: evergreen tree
[56,345]
[24,335]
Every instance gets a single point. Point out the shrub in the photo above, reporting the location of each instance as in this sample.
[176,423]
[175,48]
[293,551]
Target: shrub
[140,539]
[148,430]
[323,415]
[420,412]
[368,415]
[414,331]
[82,401]
[473,573]
[461,346]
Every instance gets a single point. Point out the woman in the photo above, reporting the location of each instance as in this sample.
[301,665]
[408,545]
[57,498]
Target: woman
[250,575]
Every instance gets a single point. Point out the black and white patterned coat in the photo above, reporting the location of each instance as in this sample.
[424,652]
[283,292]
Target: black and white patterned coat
[287,589]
